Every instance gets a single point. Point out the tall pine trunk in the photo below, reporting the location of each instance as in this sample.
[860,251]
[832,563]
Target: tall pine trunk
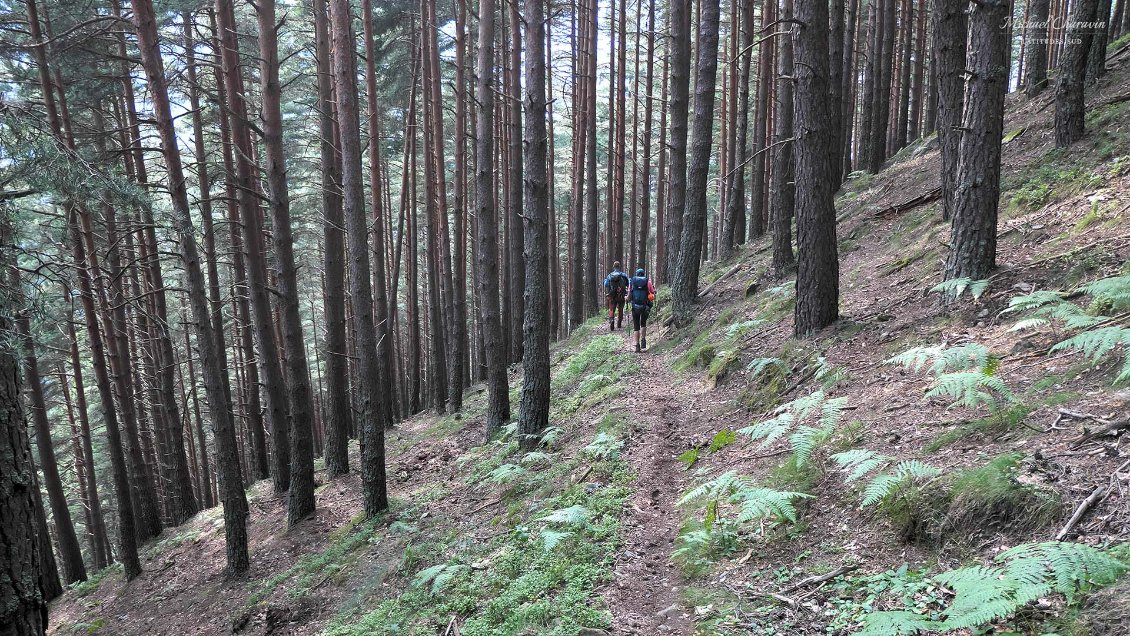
[973,241]
[680,61]
[818,272]
[374,488]
[486,229]
[231,483]
[1069,88]
[534,414]
[684,284]
[949,60]
[781,187]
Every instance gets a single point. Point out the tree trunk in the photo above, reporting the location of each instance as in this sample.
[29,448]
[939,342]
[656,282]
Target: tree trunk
[24,611]
[782,187]
[973,242]
[515,238]
[486,245]
[950,34]
[69,551]
[1096,55]
[836,81]
[1069,89]
[338,414]
[592,231]
[262,319]
[644,171]
[884,79]
[818,272]
[534,414]
[580,145]
[734,230]
[684,285]
[680,61]
[374,489]
[1036,53]
[919,94]
[235,502]
[849,80]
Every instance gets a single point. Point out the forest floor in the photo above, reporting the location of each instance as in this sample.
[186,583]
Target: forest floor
[587,535]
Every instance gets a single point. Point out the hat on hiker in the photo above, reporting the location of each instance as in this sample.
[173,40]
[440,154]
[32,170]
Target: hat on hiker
[639,272]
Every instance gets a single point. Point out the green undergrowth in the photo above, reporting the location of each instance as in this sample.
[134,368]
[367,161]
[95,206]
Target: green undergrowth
[960,510]
[1011,420]
[92,582]
[537,570]
[592,376]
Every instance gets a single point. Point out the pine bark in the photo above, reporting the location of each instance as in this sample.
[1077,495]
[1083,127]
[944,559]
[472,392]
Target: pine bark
[70,554]
[973,239]
[818,295]
[644,170]
[374,489]
[254,251]
[1069,90]
[515,240]
[680,60]
[486,239]
[235,502]
[337,412]
[534,411]
[24,611]
[782,187]
[684,285]
[950,29]
[1036,51]
[884,79]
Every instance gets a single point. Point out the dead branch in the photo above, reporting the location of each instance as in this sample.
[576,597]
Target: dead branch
[1087,504]
[812,580]
[910,204]
[721,278]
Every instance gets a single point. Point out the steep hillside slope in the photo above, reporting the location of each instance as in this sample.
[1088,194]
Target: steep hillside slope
[703,486]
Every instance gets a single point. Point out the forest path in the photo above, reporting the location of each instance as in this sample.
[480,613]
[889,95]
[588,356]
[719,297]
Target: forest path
[667,411]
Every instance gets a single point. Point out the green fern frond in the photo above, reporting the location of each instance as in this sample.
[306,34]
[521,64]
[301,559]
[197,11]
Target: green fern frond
[1096,343]
[861,461]
[577,516]
[604,446]
[438,575]
[759,365]
[831,411]
[895,623]
[765,503]
[885,484]
[805,406]
[505,474]
[965,388]
[1034,300]
[550,538]
[955,287]
[1029,323]
[804,441]
[535,457]
[1116,289]
[915,358]
[717,488]
[770,430]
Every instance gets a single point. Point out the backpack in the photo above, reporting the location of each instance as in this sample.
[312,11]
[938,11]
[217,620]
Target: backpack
[639,291]
[617,283]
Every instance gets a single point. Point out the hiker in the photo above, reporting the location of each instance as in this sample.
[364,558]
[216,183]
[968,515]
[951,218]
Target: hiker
[641,291]
[615,287]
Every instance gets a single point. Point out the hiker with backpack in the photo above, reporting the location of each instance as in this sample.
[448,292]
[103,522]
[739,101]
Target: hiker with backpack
[616,288]
[641,292]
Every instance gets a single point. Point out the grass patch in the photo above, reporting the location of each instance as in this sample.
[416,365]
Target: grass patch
[92,582]
[972,505]
[1003,421]
[540,575]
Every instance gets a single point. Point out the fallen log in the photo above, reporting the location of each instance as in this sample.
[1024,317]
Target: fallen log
[813,580]
[909,204]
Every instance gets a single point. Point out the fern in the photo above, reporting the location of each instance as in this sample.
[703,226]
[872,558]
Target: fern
[535,457]
[815,407]
[439,575]
[861,461]
[577,516]
[984,594]
[758,365]
[955,287]
[1097,343]
[1093,340]
[942,359]
[884,484]
[550,538]
[964,388]
[505,474]
[753,503]
[604,446]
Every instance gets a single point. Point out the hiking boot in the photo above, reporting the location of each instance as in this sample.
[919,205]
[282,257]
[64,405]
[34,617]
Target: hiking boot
[637,347]
[643,345]
[612,325]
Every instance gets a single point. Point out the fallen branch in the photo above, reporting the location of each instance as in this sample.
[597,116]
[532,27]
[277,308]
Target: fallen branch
[910,204]
[811,580]
[1108,427]
[486,505]
[720,279]
[1087,504]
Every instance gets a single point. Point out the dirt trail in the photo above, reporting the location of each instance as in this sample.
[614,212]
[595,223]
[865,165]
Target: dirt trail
[645,595]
